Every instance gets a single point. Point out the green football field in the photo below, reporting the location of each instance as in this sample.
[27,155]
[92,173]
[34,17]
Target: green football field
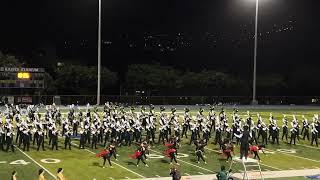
[83,164]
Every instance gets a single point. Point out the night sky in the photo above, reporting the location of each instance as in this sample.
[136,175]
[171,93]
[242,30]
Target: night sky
[193,35]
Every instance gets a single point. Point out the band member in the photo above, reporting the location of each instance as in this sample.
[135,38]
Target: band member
[194,130]
[174,117]
[19,131]
[275,133]
[161,134]
[107,132]
[271,120]
[317,124]
[177,130]
[237,131]
[304,124]
[259,126]
[144,149]
[200,150]
[218,137]
[26,139]
[35,135]
[54,139]
[171,152]
[227,149]
[314,134]
[105,154]
[67,139]
[129,135]
[186,123]
[253,131]
[51,126]
[306,131]
[139,156]
[40,141]
[249,120]
[212,119]
[285,128]
[264,133]
[255,151]
[228,132]
[206,131]
[82,139]
[295,124]
[223,119]
[164,122]
[150,127]
[244,142]
[294,132]
[94,138]
[87,129]
[137,131]
[9,141]
[75,125]
[2,135]
[112,150]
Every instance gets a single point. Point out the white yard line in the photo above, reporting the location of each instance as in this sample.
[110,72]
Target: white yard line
[253,175]
[271,167]
[201,173]
[116,164]
[89,151]
[312,147]
[3,162]
[212,150]
[296,156]
[187,174]
[158,176]
[186,162]
[36,162]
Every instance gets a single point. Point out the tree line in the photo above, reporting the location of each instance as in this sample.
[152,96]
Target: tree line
[156,79]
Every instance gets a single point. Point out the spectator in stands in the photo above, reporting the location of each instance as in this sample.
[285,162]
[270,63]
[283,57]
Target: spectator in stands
[175,173]
[41,174]
[60,175]
[14,174]
[222,175]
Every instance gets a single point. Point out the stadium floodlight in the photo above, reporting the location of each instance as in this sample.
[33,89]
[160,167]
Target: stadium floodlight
[254,85]
[99,56]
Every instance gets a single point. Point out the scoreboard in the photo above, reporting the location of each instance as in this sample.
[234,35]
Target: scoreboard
[21,77]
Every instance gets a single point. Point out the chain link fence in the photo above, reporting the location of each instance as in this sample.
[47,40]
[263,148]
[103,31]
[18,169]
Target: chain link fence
[161,100]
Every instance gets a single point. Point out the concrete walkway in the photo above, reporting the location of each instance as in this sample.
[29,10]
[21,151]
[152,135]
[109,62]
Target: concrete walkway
[252,175]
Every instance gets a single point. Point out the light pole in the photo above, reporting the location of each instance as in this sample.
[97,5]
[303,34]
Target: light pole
[254,100]
[99,55]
